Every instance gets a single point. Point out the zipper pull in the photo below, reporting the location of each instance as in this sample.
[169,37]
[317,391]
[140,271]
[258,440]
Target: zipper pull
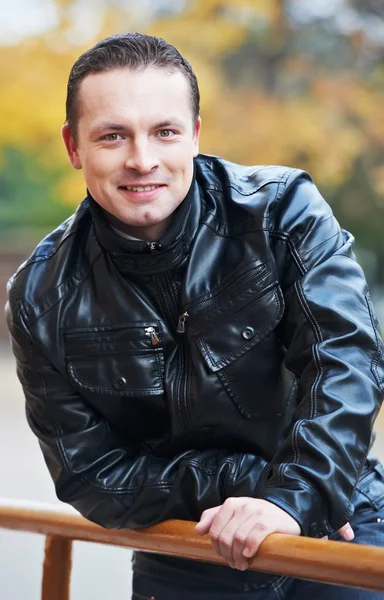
[181,323]
[152,333]
[151,246]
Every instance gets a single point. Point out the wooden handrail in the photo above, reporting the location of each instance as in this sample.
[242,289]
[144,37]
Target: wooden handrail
[306,558]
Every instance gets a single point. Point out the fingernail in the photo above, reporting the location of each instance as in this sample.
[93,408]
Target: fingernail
[247,553]
[349,534]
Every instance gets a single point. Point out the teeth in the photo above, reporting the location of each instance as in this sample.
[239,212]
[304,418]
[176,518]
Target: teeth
[147,188]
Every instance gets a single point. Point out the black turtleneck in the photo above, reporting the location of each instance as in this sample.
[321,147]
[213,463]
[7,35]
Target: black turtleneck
[150,257]
[116,244]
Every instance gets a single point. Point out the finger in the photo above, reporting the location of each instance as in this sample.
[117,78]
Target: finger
[220,522]
[239,539]
[346,532]
[206,520]
[226,540]
[254,538]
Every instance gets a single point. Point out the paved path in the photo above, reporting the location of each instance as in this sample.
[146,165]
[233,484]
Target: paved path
[99,572]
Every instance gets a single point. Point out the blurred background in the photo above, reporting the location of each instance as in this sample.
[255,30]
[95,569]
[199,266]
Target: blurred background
[282,82]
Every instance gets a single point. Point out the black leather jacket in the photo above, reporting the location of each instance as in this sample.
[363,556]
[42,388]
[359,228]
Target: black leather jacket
[239,355]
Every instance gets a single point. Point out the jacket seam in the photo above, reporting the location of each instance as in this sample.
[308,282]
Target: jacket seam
[321,244]
[155,485]
[376,359]
[261,227]
[283,182]
[74,287]
[315,347]
[233,187]
[208,471]
[233,472]
[41,258]
[130,489]
[318,224]
[57,428]
[285,237]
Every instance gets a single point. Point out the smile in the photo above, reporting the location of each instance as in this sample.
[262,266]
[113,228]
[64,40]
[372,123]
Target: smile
[136,188]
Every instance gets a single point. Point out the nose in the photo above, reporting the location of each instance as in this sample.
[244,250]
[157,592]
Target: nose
[141,157]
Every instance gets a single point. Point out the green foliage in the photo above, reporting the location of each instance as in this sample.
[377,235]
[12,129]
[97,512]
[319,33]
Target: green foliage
[26,193]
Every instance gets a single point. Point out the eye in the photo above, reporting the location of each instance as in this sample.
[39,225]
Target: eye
[166,133]
[111,137]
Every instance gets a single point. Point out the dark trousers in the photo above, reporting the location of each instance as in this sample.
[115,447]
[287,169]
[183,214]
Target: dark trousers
[163,578]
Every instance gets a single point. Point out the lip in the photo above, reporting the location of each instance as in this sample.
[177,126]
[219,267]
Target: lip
[148,195]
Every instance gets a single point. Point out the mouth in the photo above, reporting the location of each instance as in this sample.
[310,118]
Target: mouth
[140,188]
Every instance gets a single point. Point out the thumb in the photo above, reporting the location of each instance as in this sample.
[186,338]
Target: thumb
[206,520]
[346,532]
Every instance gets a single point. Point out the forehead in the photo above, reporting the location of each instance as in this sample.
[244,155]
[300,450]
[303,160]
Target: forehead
[151,91]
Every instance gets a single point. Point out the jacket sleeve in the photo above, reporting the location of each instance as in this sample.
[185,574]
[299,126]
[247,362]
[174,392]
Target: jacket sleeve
[99,473]
[334,347]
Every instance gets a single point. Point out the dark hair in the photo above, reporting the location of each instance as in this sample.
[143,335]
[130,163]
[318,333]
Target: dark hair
[134,51]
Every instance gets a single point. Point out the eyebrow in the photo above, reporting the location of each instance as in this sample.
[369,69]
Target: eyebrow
[98,129]
[103,126]
[174,122]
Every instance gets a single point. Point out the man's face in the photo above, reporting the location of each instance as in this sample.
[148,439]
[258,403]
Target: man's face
[136,139]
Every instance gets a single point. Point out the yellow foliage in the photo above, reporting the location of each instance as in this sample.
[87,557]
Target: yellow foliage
[217,37]
[267,9]
[324,130]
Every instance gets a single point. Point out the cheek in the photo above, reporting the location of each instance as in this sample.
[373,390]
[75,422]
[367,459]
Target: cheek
[181,163]
[100,164]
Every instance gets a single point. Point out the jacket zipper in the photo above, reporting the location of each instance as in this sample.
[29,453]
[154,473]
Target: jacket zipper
[184,371]
[182,322]
[130,333]
[182,374]
[197,306]
[152,246]
[151,331]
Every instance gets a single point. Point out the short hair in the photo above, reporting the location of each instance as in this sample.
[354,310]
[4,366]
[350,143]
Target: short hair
[135,51]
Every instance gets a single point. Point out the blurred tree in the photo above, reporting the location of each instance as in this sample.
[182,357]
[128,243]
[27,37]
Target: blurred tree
[282,81]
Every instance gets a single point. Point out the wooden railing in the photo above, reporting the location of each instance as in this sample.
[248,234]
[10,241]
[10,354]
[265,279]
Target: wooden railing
[319,560]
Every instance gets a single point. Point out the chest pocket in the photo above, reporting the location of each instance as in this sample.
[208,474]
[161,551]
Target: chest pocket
[124,360]
[236,340]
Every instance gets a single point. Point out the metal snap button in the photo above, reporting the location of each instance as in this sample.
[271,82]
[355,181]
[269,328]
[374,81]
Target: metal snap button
[130,263]
[248,333]
[119,383]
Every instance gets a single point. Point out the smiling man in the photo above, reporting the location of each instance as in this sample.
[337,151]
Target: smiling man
[198,341]
[134,137]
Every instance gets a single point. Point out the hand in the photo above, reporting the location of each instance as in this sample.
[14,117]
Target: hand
[345,532]
[238,527]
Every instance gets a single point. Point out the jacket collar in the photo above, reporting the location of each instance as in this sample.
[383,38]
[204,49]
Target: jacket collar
[151,257]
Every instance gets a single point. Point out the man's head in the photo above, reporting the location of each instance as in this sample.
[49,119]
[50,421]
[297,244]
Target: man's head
[132,122]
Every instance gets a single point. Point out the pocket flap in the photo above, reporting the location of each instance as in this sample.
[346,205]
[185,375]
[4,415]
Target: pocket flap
[119,360]
[231,338]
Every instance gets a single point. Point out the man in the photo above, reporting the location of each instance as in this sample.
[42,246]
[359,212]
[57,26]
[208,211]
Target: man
[197,341]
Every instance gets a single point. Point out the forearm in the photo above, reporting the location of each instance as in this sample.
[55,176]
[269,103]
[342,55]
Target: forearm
[334,348]
[113,487]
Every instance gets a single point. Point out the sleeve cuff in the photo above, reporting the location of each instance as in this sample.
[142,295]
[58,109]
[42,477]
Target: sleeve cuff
[306,507]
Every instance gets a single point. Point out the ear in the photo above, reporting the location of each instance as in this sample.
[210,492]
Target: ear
[71,146]
[196,136]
